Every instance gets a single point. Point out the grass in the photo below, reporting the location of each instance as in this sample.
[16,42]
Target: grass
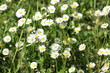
[18,60]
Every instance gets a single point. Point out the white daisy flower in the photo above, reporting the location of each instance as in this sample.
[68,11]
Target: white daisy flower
[22,20]
[77,29]
[28,21]
[55,47]
[30,29]
[7,39]
[20,12]
[91,65]
[106,51]
[19,44]
[12,29]
[40,31]
[59,20]
[106,8]
[44,22]
[80,71]
[3,7]
[56,40]
[42,38]
[98,13]
[66,54]
[82,47]
[54,1]
[51,9]
[37,16]
[33,65]
[101,51]
[5,51]
[104,69]
[65,17]
[105,25]
[74,5]
[104,13]
[8,0]
[79,16]
[49,22]
[67,49]
[31,39]
[42,48]
[62,26]
[64,7]
[54,55]
[72,69]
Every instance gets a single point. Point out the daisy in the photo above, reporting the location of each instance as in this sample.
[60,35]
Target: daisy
[20,12]
[66,54]
[74,5]
[104,69]
[28,21]
[19,44]
[8,0]
[7,39]
[106,8]
[5,51]
[31,39]
[54,1]
[82,47]
[30,29]
[54,54]
[49,22]
[65,17]
[67,49]
[42,38]
[72,69]
[56,40]
[77,29]
[80,71]
[42,48]
[51,9]
[59,20]
[3,7]
[55,46]
[40,31]
[91,65]
[101,51]
[33,65]
[64,7]
[37,16]
[105,25]
[104,13]
[12,29]
[79,15]
[62,26]
[21,21]
[98,13]
[106,51]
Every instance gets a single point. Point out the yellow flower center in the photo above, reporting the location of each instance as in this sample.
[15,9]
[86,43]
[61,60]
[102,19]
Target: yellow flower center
[7,39]
[20,12]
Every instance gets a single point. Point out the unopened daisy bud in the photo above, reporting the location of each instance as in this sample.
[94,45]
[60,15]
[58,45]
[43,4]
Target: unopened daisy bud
[97,20]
